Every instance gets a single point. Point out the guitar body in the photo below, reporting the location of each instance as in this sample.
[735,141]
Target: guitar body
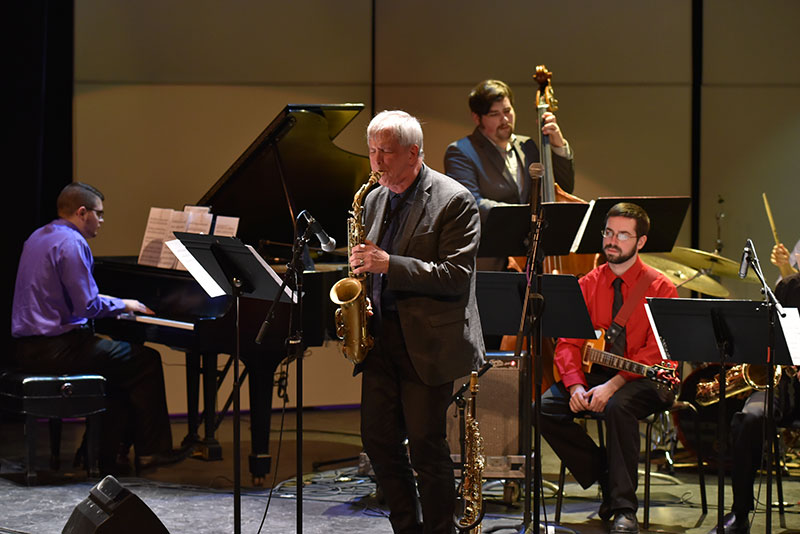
[586,365]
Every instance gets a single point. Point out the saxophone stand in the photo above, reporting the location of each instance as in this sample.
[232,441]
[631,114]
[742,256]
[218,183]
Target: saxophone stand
[295,347]
[461,405]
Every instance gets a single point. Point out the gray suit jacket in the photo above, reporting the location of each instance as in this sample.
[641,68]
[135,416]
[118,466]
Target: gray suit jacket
[475,162]
[432,275]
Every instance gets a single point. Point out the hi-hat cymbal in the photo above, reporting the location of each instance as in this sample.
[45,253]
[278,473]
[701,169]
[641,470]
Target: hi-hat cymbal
[683,276]
[709,262]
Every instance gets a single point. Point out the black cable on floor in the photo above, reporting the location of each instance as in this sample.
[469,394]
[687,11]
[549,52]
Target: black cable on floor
[277,453]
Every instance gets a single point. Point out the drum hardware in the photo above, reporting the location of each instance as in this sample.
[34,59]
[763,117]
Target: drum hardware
[664,438]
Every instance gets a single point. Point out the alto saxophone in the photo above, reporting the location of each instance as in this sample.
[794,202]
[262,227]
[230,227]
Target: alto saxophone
[351,293]
[472,466]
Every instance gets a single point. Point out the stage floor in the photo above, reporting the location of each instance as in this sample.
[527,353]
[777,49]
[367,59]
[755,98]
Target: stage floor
[196,497]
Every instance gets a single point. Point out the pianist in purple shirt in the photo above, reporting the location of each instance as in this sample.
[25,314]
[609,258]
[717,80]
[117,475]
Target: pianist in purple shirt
[55,297]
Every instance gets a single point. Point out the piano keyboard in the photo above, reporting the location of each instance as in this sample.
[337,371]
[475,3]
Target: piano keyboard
[156,321]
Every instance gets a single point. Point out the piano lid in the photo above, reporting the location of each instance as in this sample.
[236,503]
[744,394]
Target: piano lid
[292,165]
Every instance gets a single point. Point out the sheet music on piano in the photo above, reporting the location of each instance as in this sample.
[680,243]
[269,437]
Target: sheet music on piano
[162,223]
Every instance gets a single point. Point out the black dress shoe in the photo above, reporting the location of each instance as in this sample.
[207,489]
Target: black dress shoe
[152,461]
[733,524]
[624,523]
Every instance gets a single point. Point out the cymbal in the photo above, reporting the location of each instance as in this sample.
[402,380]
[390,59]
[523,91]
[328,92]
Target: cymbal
[683,276]
[709,262]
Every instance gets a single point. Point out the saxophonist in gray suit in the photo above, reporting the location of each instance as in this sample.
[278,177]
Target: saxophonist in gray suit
[422,235]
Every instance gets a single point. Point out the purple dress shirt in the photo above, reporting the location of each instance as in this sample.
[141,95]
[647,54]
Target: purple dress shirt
[55,291]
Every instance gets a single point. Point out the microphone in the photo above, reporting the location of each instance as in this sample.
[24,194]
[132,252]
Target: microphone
[536,194]
[748,249]
[327,243]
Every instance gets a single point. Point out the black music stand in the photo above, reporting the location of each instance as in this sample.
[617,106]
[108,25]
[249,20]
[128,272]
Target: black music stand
[666,217]
[499,295]
[507,228]
[552,225]
[501,298]
[236,271]
[733,331]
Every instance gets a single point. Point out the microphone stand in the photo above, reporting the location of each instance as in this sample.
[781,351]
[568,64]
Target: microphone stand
[294,348]
[530,329]
[773,308]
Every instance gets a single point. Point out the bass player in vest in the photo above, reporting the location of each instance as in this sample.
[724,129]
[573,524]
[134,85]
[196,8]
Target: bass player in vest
[622,397]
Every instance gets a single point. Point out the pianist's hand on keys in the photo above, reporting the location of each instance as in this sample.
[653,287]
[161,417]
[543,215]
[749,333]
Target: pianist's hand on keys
[134,306]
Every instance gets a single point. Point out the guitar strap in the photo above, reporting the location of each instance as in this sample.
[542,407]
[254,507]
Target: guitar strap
[624,313]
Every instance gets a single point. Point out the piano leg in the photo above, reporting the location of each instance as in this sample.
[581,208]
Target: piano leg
[260,369]
[192,398]
[209,446]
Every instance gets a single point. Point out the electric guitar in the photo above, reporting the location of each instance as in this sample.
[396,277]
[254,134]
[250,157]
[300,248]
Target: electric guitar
[592,352]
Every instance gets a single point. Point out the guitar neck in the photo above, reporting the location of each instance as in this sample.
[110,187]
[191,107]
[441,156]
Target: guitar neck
[614,361]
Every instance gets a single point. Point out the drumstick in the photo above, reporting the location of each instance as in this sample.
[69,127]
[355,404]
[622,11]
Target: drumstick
[771,220]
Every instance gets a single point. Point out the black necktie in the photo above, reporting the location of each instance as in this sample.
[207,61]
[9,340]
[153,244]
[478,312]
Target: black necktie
[618,347]
[385,242]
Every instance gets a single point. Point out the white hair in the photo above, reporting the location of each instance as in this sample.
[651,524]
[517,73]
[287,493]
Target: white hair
[404,127]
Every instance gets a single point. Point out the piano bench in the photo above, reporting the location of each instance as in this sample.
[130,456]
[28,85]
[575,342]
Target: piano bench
[55,397]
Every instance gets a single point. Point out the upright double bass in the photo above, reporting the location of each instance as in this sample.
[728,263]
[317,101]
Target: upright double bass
[577,264]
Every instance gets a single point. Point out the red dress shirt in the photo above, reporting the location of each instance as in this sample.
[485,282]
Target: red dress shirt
[599,296]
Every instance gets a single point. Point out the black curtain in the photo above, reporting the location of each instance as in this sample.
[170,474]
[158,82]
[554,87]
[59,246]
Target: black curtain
[38,147]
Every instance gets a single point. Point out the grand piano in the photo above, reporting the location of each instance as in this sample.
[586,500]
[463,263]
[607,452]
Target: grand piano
[291,166]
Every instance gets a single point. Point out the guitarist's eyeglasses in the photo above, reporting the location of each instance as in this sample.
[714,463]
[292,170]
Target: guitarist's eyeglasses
[608,233]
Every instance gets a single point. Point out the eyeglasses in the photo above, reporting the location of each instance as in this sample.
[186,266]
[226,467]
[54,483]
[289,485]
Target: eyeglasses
[97,212]
[608,233]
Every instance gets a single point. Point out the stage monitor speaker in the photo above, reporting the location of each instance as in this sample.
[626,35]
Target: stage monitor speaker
[498,408]
[112,509]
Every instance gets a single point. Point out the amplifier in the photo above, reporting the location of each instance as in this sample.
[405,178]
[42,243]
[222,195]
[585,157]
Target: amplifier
[498,410]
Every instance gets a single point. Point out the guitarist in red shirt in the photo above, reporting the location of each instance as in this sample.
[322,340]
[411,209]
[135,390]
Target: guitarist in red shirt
[623,397]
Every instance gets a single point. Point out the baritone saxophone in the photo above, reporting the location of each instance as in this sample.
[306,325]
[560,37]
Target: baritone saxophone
[740,378]
[351,293]
[472,465]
